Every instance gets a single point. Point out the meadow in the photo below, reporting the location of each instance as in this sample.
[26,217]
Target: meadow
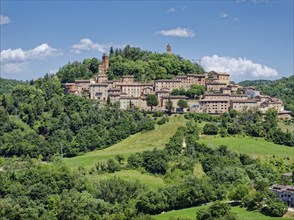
[139,142]
[190,213]
[256,147]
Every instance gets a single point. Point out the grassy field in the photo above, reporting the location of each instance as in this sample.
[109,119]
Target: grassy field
[135,143]
[144,178]
[256,147]
[190,213]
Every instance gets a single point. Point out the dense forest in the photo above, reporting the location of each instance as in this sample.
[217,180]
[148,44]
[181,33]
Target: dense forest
[32,190]
[282,88]
[39,121]
[6,85]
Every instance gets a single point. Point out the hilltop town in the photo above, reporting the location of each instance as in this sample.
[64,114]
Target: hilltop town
[220,94]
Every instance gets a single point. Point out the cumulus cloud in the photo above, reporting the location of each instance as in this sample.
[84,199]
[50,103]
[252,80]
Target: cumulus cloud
[88,44]
[16,60]
[223,14]
[14,67]
[177,32]
[4,20]
[237,67]
[171,10]
[39,52]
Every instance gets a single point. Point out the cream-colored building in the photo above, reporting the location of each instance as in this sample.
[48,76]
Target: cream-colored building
[223,78]
[167,84]
[216,96]
[241,105]
[214,86]
[191,79]
[214,106]
[71,88]
[98,91]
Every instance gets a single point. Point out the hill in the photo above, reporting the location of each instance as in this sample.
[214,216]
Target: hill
[6,85]
[147,140]
[282,88]
[144,65]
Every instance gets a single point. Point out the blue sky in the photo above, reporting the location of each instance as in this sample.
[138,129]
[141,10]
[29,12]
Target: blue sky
[250,39]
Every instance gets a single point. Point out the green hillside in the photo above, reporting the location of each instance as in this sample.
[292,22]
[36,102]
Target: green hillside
[256,147]
[190,213]
[147,140]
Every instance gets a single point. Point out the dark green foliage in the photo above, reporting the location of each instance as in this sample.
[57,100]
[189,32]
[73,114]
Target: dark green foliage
[174,146]
[147,66]
[210,129]
[151,101]
[7,85]
[152,202]
[274,208]
[155,161]
[77,70]
[195,91]
[216,211]
[198,117]
[40,120]
[182,104]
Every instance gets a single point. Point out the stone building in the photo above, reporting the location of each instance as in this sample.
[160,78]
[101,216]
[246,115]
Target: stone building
[71,88]
[168,84]
[241,105]
[285,193]
[214,106]
[214,86]
[191,79]
[98,91]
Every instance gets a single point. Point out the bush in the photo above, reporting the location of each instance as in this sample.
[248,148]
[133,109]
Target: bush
[210,129]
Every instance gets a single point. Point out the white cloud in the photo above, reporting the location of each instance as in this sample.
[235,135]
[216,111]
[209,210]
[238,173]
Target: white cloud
[171,10]
[223,14]
[17,60]
[237,67]
[4,20]
[14,67]
[177,32]
[87,44]
[39,52]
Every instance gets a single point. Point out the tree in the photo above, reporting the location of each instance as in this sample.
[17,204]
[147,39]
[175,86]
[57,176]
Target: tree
[217,211]
[169,106]
[195,91]
[210,129]
[182,104]
[271,119]
[152,101]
